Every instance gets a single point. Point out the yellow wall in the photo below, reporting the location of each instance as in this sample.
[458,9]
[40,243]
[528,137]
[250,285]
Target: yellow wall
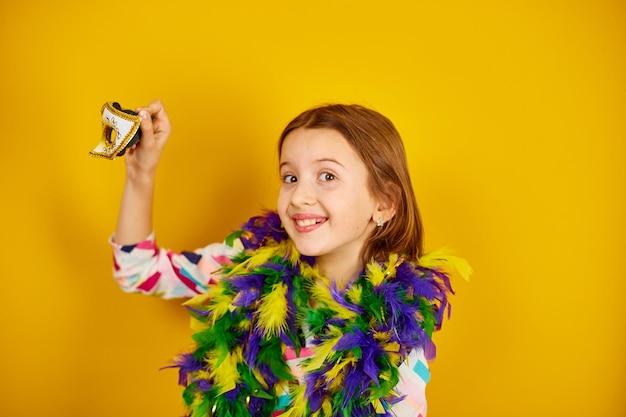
[513,116]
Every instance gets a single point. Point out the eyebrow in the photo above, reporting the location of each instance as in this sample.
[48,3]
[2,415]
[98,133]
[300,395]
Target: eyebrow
[317,161]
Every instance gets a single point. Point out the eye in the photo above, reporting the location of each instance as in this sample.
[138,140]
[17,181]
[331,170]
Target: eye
[326,176]
[288,179]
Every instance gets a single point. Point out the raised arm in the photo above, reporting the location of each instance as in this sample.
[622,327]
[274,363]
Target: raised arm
[134,223]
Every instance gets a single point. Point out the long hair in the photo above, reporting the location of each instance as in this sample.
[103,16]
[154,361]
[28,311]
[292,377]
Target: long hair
[378,143]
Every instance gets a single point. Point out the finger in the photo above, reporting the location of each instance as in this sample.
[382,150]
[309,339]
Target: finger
[154,109]
[157,112]
[147,128]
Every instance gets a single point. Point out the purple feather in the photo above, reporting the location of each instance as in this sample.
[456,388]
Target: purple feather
[315,401]
[422,286]
[201,313]
[204,385]
[430,350]
[187,364]
[259,229]
[335,321]
[246,282]
[268,374]
[372,352]
[395,302]
[246,298]
[351,340]
[232,394]
[251,348]
[340,298]
[256,405]
[352,382]
[312,379]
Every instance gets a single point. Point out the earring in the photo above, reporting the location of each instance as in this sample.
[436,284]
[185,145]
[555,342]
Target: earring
[380,222]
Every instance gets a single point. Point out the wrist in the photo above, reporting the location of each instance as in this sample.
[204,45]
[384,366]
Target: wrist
[140,184]
[140,178]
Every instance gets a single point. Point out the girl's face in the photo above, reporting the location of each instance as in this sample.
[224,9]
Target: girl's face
[324,203]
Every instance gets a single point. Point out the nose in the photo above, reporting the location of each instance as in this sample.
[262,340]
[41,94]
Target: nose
[303,194]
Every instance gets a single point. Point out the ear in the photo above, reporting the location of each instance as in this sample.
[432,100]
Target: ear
[386,205]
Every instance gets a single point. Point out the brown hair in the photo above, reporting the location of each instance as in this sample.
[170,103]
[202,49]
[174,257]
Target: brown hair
[378,143]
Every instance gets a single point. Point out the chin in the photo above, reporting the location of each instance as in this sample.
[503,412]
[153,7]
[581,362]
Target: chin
[307,250]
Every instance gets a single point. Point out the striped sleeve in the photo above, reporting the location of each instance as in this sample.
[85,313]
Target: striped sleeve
[414,375]
[148,269]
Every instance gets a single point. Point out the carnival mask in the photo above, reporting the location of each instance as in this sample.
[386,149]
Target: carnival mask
[120,131]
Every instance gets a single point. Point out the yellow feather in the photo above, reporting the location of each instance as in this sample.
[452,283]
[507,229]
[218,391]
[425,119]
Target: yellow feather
[327,407]
[335,370]
[259,377]
[382,336]
[394,261]
[335,373]
[221,304]
[354,293]
[323,350]
[383,339]
[199,300]
[202,374]
[321,292]
[289,413]
[273,310]
[224,372]
[394,357]
[259,257]
[307,270]
[392,347]
[378,407]
[196,325]
[450,264]
[336,384]
[245,325]
[290,248]
[197,399]
[375,273]
[385,375]
[298,402]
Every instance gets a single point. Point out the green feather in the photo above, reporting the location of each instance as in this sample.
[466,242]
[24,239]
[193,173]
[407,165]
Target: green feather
[202,409]
[230,239]
[429,316]
[270,353]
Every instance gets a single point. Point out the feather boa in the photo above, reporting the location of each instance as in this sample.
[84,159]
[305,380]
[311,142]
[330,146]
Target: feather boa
[361,333]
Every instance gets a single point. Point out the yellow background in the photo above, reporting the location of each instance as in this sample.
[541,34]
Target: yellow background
[513,118]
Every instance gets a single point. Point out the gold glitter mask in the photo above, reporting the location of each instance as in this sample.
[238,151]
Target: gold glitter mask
[120,131]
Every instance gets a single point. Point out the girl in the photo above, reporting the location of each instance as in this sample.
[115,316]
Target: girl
[323,308]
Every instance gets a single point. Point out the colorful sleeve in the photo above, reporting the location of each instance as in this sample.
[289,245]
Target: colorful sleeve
[414,375]
[146,268]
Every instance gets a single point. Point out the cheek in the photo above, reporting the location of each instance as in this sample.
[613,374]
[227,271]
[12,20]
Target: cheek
[282,204]
[281,208]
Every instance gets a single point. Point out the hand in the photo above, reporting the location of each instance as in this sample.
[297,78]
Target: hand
[143,158]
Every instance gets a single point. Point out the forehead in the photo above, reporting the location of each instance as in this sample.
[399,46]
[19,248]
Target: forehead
[304,144]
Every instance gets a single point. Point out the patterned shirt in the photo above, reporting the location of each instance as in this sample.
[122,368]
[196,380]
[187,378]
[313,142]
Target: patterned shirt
[148,269]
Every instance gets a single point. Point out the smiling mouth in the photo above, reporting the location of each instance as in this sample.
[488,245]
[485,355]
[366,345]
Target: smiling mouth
[309,222]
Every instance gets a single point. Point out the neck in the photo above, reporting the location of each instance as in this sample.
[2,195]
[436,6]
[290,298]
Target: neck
[338,268]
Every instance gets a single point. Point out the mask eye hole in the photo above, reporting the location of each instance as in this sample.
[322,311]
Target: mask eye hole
[110,135]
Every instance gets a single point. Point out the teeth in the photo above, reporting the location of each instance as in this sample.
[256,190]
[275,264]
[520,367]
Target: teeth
[307,222]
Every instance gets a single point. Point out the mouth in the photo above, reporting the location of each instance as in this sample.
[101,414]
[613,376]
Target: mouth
[307,223]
